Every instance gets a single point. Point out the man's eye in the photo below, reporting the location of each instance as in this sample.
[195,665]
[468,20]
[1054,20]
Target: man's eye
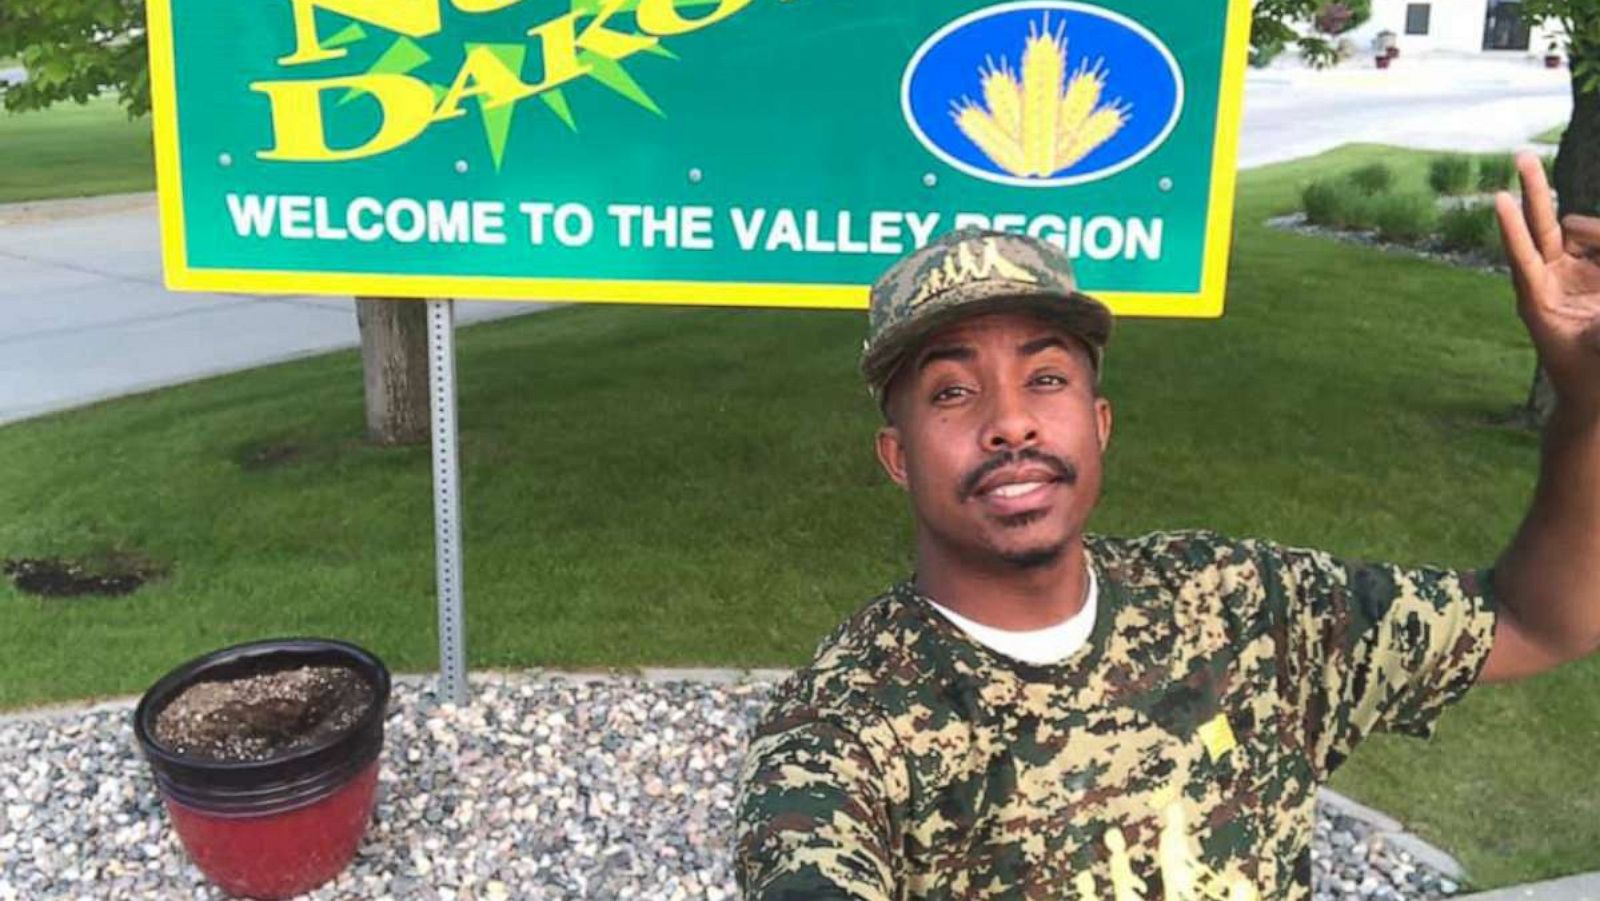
[949,394]
[1050,380]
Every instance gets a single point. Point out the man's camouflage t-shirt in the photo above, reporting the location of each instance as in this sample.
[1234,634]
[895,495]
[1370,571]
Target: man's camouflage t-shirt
[1175,756]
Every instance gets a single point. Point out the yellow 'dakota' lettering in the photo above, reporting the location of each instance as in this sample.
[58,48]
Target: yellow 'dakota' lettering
[413,18]
[482,6]
[421,18]
[661,17]
[297,129]
[407,103]
[560,40]
[484,74]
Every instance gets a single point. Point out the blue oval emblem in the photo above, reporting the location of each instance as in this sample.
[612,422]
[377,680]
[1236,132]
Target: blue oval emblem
[1042,94]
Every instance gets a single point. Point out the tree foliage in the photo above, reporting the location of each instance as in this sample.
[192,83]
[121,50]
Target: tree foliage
[74,50]
[1340,16]
[1276,24]
[1581,21]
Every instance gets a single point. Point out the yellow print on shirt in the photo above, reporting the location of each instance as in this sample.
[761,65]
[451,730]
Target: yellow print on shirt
[1184,876]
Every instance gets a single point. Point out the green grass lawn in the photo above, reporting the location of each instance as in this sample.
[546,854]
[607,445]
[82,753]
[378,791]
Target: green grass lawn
[685,486]
[74,151]
[1553,136]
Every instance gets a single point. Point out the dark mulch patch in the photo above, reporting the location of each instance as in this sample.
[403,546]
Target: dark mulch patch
[54,577]
[267,455]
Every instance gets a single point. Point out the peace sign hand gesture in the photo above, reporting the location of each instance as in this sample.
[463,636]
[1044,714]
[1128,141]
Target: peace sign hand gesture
[1556,269]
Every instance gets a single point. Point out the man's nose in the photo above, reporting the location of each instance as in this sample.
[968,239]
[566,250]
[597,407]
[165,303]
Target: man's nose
[1011,423]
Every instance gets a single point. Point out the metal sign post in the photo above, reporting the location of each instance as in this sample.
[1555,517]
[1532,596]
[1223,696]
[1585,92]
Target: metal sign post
[446,499]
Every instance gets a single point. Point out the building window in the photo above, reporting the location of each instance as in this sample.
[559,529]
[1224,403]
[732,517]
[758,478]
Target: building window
[1504,28]
[1417,16]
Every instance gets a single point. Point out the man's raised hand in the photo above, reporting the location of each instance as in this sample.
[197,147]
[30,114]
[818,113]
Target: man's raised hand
[1556,269]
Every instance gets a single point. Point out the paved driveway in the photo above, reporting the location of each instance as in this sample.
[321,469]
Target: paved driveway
[83,315]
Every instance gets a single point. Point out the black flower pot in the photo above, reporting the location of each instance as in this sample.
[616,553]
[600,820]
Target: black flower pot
[286,824]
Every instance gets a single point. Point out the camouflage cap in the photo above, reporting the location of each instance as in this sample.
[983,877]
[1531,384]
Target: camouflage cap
[968,273]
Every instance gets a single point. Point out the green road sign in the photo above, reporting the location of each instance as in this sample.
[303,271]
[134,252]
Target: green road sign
[748,152]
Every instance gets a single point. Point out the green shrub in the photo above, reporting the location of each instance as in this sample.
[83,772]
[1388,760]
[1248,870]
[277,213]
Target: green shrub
[1359,211]
[1323,201]
[1404,217]
[1496,172]
[1467,229]
[1373,178]
[1335,203]
[1450,174]
[1491,246]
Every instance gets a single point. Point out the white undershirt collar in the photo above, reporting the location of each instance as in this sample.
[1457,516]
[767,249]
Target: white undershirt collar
[1040,647]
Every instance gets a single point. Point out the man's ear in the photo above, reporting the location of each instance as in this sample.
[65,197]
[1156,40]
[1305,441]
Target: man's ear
[892,454]
[1102,421]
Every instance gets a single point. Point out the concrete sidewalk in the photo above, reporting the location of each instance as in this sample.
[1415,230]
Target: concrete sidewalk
[86,317]
[1574,888]
[1442,103]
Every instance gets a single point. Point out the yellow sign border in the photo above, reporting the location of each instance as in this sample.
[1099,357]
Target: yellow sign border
[180,276]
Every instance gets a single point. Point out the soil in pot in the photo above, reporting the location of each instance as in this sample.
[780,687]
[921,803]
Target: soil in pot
[266,715]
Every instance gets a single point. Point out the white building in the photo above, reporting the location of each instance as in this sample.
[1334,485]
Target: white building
[1455,26]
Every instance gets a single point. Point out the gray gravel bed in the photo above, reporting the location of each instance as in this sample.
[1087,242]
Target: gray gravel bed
[1433,250]
[542,787]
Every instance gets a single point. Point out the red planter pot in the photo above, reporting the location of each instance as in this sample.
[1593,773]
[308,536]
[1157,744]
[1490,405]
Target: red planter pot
[278,855]
[281,826]
[1383,61]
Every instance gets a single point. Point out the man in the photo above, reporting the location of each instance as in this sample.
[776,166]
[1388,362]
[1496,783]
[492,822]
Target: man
[1046,714]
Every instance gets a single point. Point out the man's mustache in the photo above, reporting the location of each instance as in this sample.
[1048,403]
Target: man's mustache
[1060,467]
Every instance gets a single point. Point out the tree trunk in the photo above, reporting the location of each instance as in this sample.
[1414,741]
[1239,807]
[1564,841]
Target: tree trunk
[1577,180]
[1541,400]
[394,364]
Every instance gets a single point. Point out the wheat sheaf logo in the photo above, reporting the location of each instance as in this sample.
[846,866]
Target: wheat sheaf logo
[1091,94]
[1029,126]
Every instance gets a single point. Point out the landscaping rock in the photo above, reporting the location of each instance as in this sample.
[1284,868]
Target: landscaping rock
[1296,222]
[542,787]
